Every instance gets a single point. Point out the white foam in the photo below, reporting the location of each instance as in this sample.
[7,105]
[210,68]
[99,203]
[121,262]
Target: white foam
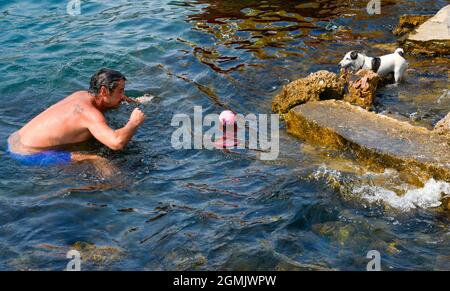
[145,98]
[427,197]
[324,171]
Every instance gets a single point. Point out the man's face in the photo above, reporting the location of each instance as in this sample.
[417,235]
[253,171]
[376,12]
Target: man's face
[113,99]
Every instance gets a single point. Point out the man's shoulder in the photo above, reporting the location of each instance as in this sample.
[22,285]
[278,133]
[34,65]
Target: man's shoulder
[79,94]
[78,97]
[84,106]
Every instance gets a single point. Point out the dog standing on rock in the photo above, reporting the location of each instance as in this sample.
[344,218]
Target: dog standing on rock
[393,63]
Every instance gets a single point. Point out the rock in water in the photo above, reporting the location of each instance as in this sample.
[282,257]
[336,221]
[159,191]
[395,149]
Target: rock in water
[321,85]
[374,138]
[443,126]
[324,85]
[432,37]
[361,90]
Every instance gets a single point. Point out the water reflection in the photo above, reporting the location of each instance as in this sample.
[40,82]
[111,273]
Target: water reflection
[259,27]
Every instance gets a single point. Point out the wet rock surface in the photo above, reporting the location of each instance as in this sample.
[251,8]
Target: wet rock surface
[430,38]
[372,137]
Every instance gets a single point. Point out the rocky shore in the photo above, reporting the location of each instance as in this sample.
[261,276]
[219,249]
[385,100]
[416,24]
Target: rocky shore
[425,34]
[333,110]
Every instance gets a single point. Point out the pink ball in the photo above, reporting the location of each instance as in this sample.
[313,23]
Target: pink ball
[227,117]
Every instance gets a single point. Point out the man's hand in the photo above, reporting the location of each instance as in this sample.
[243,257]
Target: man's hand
[137,117]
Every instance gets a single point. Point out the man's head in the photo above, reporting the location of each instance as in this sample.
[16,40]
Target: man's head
[108,87]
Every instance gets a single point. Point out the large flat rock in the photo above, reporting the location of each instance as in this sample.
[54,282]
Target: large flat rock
[435,28]
[372,137]
[432,36]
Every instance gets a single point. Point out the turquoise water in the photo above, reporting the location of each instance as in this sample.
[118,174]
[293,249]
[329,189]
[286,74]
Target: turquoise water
[170,209]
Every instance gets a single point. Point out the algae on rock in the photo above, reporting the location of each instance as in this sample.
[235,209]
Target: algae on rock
[408,23]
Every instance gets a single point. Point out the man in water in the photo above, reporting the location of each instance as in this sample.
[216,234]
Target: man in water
[77,118]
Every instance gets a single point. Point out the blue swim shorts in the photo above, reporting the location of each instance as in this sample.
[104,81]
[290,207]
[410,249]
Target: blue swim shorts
[44,158]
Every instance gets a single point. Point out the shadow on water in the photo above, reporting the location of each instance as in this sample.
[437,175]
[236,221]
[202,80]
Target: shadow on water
[166,209]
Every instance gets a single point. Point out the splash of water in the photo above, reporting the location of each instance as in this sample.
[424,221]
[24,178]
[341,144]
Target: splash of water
[385,188]
[429,196]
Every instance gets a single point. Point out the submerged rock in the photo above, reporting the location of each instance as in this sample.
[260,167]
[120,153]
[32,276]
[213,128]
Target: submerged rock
[317,86]
[443,126]
[432,37]
[374,138]
[98,255]
[408,23]
[361,90]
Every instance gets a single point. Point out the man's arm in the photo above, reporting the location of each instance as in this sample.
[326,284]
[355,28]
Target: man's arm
[119,138]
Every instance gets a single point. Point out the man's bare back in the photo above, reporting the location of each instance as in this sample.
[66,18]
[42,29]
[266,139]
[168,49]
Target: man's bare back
[78,118]
[61,124]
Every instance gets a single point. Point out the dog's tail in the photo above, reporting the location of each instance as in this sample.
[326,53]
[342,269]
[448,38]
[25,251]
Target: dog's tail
[399,51]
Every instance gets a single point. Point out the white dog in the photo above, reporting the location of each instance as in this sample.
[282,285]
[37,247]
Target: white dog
[393,63]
